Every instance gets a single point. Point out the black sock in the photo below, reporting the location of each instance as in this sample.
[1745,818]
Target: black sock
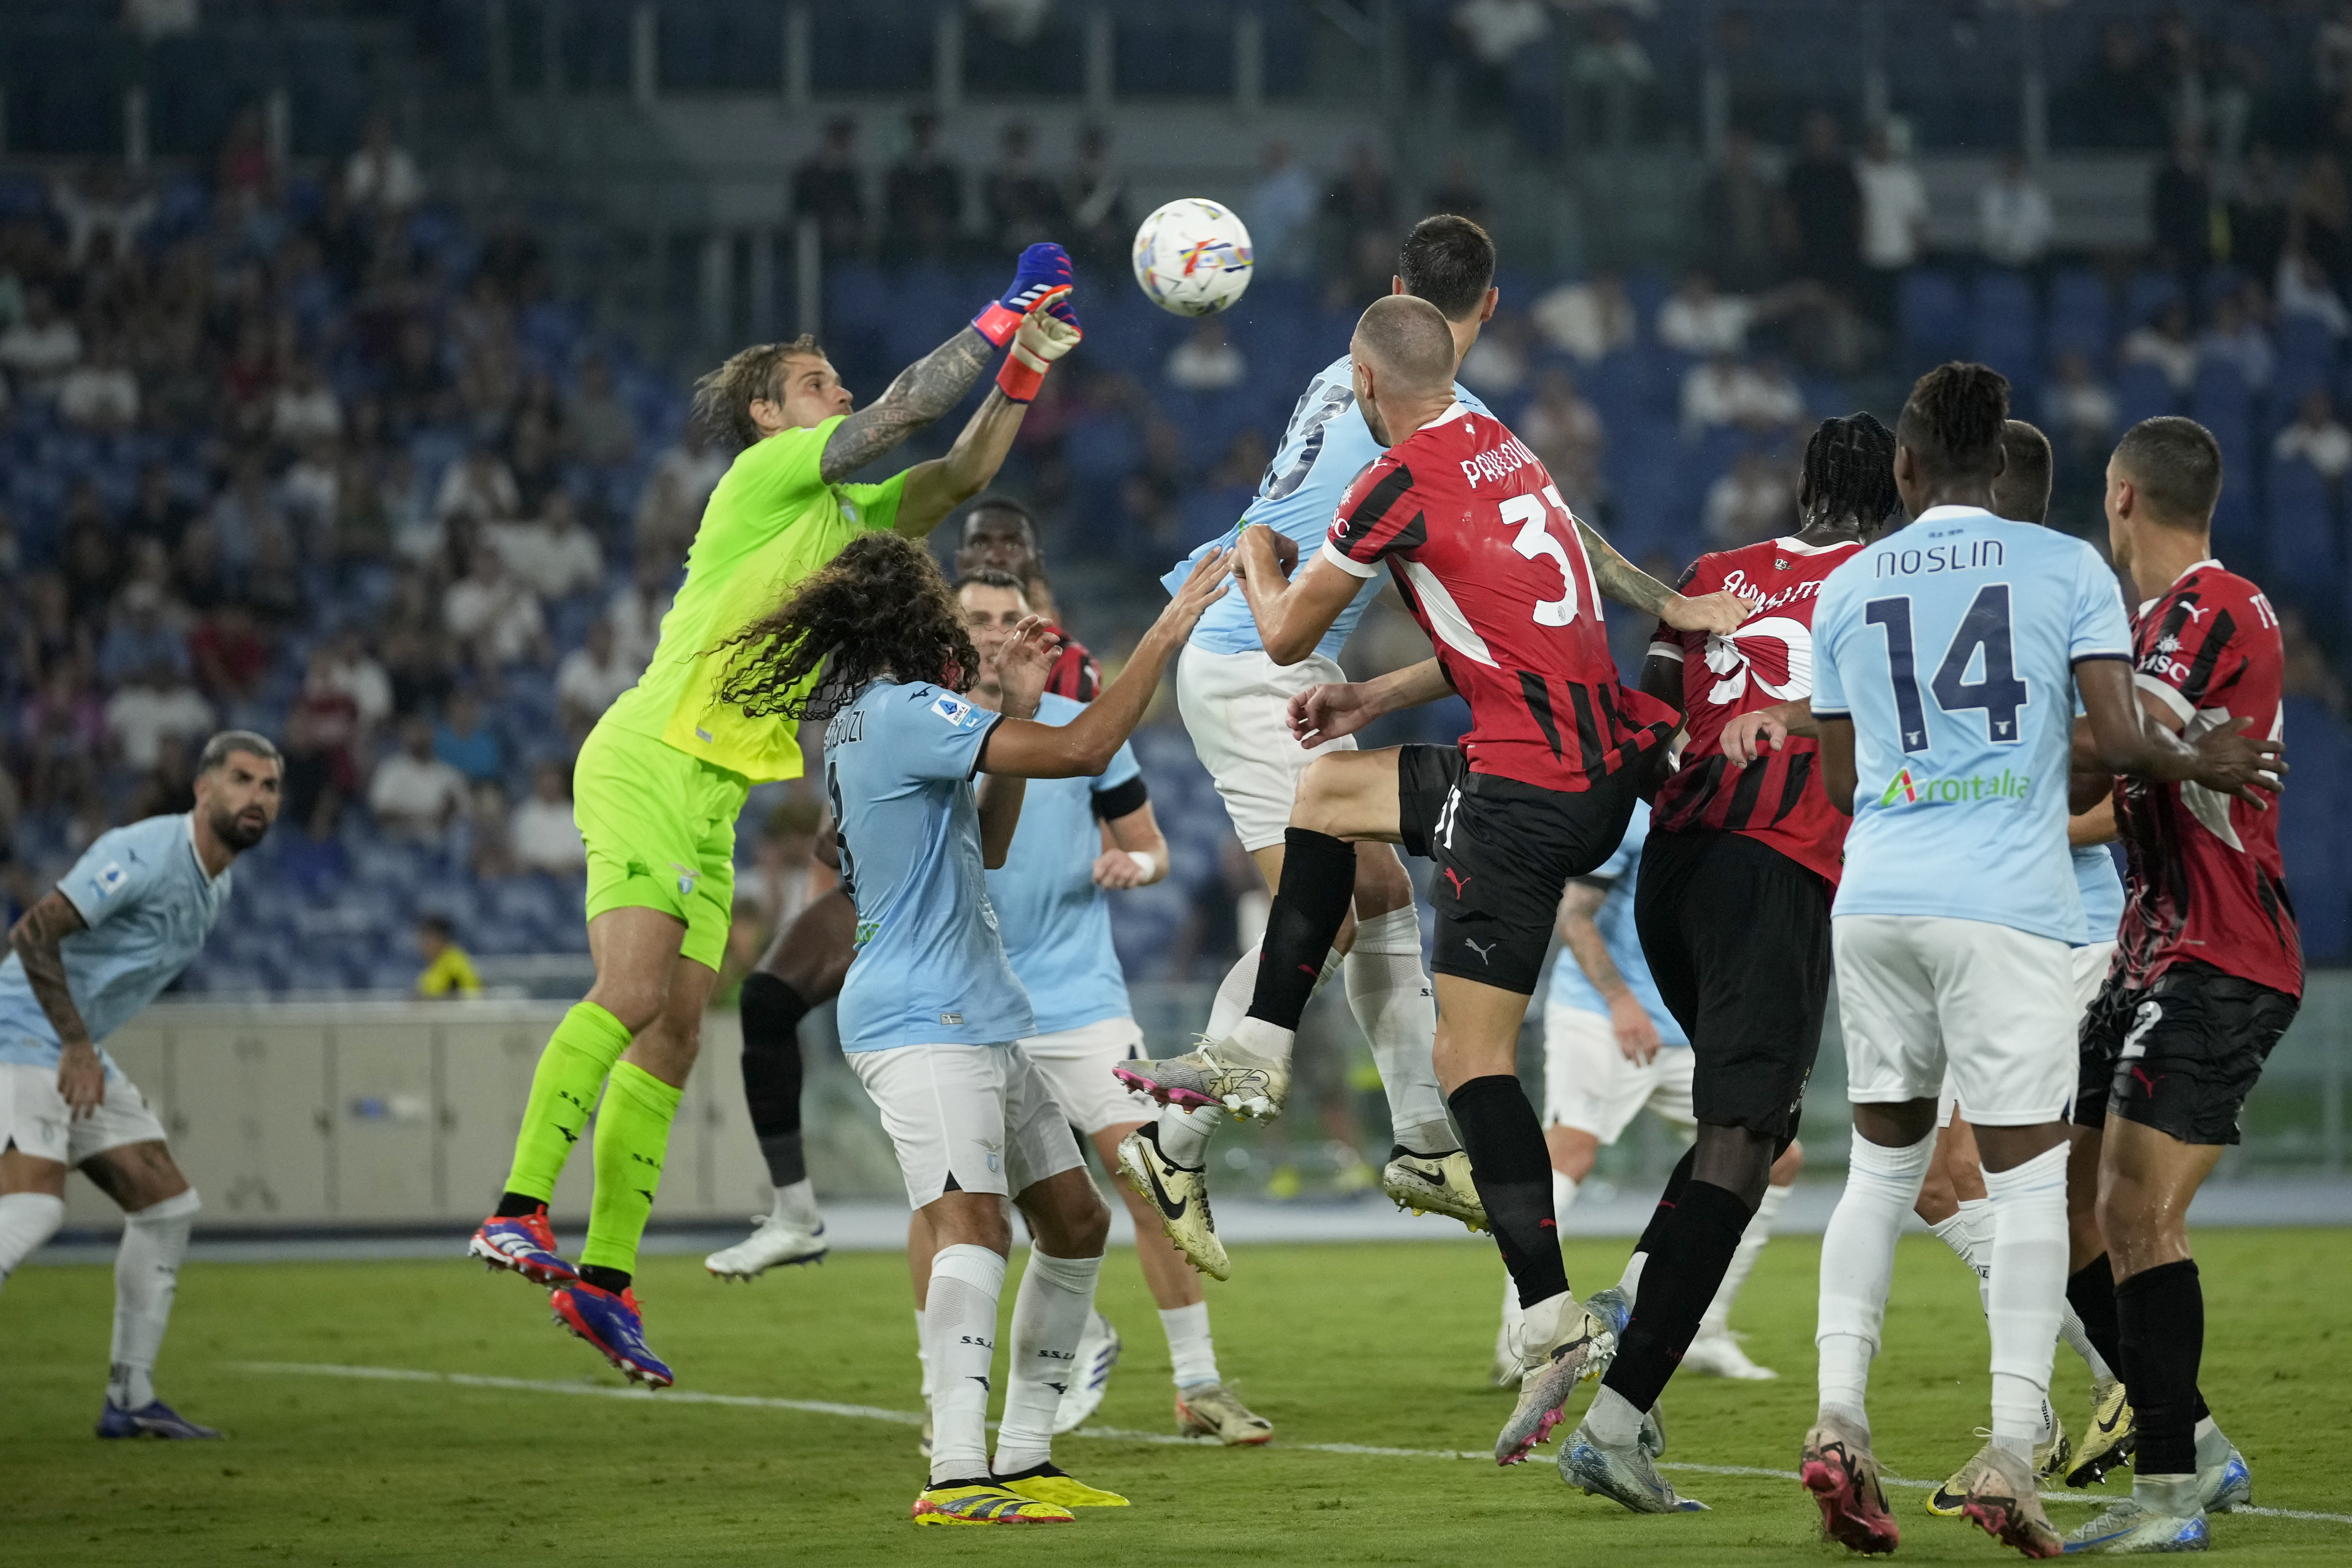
[2091,1291]
[516,1206]
[1659,1216]
[2162,1314]
[1686,1269]
[771,1013]
[1511,1168]
[1318,877]
[613,1280]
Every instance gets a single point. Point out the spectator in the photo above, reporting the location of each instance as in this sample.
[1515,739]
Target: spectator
[671,509]
[826,188]
[1824,205]
[466,743]
[531,460]
[168,788]
[101,392]
[309,492]
[2119,99]
[101,210]
[58,731]
[1894,217]
[2235,338]
[1753,501]
[93,564]
[1589,320]
[417,386]
[1564,430]
[322,734]
[1361,209]
[449,973]
[155,702]
[1095,196]
[305,409]
[415,795]
[1282,215]
[1611,73]
[636,611]
[490,854]
[1023,205]
[1207,361]
[415,646]
[2306,297]
[39,348]
[2014,220]
[356,672]
[143,633]
[244,512]
[1497,32]
[1698,321]
[477,488]
[381,174]
[2180,209]
[1737,209]
[2321,223]
[2258,215]
[544,836]
[2080,411]
[2316,438]
[1496,365]
[783,879]
[922,198]
[158,511]
[597,425]
[230,659]
[1725,391]
[2166,344]
[2306,671]
[554,556]
[495,616]
[592,678]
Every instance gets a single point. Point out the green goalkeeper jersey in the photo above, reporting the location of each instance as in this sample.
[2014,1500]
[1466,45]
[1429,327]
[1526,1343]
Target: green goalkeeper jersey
[771,522]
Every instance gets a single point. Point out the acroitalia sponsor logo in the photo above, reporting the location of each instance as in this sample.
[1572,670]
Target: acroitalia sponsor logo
[1497,462]
[1908,788]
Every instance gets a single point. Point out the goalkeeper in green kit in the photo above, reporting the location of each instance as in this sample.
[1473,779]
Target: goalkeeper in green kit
[662,777]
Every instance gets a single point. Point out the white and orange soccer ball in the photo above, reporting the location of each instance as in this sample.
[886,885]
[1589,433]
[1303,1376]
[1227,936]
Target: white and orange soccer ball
[1193,256]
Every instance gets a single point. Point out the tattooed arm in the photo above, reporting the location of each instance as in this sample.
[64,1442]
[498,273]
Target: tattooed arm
[937,487]
[81,1077]
[924,390]
[1627,583]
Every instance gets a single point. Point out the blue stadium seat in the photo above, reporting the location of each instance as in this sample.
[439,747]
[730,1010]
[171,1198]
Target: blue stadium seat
[2147,295]
[2079,316]
[2142,392]
[2302,535]
[1932,316]
[2315,841]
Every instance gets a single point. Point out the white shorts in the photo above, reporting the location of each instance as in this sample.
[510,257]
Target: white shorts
[979,1115]
[1917,993]
[2090,974]
[1077,1066]
[35,1119]
[1236,707]
[1588,1084]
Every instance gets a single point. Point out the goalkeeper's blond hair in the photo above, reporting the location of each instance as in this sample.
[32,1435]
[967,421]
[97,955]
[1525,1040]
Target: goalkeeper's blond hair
[722,398]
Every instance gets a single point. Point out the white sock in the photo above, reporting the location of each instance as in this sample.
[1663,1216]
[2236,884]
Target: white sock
[1563,1198]
[146,1278]
[2027,1288]
[1258,1040]
[1192,1355]
[1389,994]
[1629,1282]
[1881,1185]
[796,1206]
[2078,1339]
[1049,1314]
[960,1317]
[1184,1134]
[27,1220]
[1969,1233]
[923,1356]
[1514,1320]
[1613,1420]
[1235,993]
[1717,1316]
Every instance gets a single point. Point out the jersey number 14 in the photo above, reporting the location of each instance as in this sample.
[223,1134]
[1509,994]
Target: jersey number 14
[1983,631]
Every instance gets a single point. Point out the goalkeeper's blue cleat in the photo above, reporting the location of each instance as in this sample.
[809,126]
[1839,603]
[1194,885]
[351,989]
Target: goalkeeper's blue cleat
[524,1244]
[613,1325]
[152,1419]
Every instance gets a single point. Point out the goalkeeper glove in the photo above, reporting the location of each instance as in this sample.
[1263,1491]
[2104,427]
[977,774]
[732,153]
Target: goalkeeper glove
[1043,276]
[1043,337]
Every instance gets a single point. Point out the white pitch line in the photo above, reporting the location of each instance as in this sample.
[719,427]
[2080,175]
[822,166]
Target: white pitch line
[1114,1434]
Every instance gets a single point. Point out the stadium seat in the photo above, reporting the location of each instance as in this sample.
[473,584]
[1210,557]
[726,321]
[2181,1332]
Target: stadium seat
[2003,329]
[2142,391]
[1932,316]
[2079,316]
[2302,536]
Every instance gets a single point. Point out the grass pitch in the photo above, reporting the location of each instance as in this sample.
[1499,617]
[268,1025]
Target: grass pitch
[1377,1345]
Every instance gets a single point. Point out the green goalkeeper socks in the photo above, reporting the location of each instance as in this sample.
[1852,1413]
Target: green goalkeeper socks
[563,1088]
[632,1139]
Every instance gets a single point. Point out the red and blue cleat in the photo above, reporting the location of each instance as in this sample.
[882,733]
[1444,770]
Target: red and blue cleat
[524,1244]
[613,1325]
[152,1419]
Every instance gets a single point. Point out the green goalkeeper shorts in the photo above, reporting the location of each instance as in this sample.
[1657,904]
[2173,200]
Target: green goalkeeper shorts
[660,830]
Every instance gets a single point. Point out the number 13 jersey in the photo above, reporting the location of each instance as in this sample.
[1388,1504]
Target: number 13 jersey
[1489,562]
[1951,647]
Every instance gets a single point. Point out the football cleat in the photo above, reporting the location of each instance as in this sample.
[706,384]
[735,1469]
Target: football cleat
[524,1244]
[1181,1194]
[1505,1372]
[152,1419]
[2131,1525]
[1716,1352]
[1098,1349]
[2108,1440]
[2050,1457]
[2225,1483]
[984,1502]
[1950,1498]
[613,1326]
[1653,1433]
[1051,1484]
[2000,1500]
[1550,1366]
[1837,1467]
[1433,1183]
[1214,1073]
[1615,1309]
[773,1243]
[1212,1410]
[1622,1474]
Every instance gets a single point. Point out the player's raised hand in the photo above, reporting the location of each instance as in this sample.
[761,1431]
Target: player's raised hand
[1204,587]
[2232,762]
[1327,712]
[1719,613]
[1022,663]
[1748,736]
[81,1079]
[1042,278]
[1043,337]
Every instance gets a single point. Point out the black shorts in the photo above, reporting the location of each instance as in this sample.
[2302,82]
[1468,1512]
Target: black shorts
[1737,938]
[2179,1056]
[1505,852]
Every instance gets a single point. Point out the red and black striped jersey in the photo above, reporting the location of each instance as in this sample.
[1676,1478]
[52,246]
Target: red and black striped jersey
[1778,799]
[1490,564]
[2205,882]
[1074,674]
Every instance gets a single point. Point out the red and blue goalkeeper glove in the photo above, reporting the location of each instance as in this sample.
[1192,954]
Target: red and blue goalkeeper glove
[1043,276]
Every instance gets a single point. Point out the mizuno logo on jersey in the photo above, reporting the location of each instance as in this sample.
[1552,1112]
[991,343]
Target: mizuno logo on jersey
[1908,788]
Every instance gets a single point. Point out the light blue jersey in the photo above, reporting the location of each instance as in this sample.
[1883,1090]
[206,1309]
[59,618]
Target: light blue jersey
[1055,920]
[1325,446]
[1615,919]
[1951,646]
[2102,890]
[930,969]
[148,905]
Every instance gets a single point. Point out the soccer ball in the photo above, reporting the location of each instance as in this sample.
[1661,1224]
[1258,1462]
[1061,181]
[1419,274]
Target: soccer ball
[1193,256]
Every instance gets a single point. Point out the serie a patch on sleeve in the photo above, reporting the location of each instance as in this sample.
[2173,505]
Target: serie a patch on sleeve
[109,879]
[955,711]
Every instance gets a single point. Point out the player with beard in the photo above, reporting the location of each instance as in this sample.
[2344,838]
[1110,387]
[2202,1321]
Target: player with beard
[1506,582]
[83,962]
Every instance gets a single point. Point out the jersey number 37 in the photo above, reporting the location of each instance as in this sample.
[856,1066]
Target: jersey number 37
[1536,540]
